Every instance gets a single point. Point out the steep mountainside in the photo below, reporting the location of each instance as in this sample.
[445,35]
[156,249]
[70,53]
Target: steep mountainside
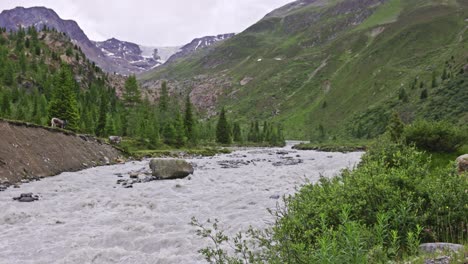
[112,55]
[198,44]
[342,64]
[127,55]
[40,17]
[105,54]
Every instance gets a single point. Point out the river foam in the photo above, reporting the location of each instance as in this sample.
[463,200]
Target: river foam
[85,217]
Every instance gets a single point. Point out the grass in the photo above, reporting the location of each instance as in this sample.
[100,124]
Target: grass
[364,73]
[440,160]
[335,146]
[385,14]
[139,149]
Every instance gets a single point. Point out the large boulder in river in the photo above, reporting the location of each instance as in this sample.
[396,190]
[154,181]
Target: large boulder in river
[167,169]
[462,163]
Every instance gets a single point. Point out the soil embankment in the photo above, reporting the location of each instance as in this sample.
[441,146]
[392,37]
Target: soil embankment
[28,151]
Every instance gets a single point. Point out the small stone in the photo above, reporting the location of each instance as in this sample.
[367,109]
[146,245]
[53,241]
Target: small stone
[275,196]
[133,175]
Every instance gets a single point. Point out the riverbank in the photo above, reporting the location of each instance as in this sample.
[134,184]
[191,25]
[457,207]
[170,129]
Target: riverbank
[29,152]
[86,216]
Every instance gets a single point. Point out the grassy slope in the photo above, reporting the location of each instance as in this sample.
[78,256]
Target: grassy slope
[353,72]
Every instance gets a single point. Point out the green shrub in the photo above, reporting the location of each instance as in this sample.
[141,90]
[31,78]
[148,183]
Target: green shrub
[435,136]
[378,212]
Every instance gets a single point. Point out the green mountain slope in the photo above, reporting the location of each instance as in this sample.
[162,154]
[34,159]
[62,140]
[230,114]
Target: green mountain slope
[343,64]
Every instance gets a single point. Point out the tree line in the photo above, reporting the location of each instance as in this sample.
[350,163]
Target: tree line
[36,85]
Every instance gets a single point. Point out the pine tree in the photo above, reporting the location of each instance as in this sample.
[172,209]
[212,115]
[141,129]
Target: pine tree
[423,94]
[321,132]
[395,127]
[101,125]
[237,133]
[434,80]
[189,122]
[180,138]
[64,104]
[132,94]
[402,95]
[444,75]
[164,98]
[223,134]
[169,134]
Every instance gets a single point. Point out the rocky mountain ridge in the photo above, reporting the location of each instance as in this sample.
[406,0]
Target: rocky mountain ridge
[112,55]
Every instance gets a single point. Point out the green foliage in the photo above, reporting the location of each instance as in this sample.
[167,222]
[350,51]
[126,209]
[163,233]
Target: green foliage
[237,133]
[435,136]
[189,122]
[402,95]
[379,212]
[132,94]
[164,98]
[395,127]
[223,130]
[63,103]
[101,125]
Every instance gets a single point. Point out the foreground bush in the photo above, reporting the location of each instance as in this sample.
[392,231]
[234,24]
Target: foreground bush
[381,211]
[435,136]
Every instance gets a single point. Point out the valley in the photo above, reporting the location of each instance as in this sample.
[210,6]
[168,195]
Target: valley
[327,131]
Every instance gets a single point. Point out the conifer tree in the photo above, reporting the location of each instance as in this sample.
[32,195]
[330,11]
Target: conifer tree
[189,122]
[64,104]
[169,134]
[164,98]
[180,138]
[132,94]
[101,125]
[223,133]
[434,80]
[402,95]
[237,132]
[424,94]
[395,127]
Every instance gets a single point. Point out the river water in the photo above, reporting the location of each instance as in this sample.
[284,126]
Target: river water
[85,217]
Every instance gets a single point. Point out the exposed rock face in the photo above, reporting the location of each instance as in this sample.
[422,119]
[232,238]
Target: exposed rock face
[127,56]
[205,90]
[28,151]
[167,169]
[462,163]
[197,44]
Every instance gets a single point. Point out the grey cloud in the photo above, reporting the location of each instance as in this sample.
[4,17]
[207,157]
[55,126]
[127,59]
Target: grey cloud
[157,22]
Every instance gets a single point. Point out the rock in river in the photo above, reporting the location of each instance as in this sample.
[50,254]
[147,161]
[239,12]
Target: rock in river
[26,198]
[167,169]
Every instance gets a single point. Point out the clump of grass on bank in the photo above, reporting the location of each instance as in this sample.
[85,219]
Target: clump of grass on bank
[335,146]
[139,149]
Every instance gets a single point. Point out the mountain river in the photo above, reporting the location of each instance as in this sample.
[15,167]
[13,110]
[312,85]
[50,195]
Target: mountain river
[86,217]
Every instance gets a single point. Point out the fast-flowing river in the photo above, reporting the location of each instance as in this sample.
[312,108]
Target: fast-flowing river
[85,217]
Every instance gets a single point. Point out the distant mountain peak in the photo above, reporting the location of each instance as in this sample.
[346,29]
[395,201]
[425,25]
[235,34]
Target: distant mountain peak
[199,43]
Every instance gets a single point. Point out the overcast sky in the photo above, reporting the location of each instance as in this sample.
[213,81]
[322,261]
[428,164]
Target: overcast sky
[156,22]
